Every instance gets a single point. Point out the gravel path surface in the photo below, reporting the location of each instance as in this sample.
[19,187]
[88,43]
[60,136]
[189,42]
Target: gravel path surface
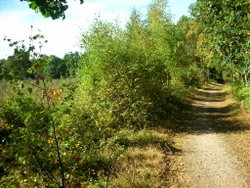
[210,165]
[206,160]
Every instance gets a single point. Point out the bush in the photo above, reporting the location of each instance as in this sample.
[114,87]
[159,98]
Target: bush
[30,133]
[244,95]
[129,77]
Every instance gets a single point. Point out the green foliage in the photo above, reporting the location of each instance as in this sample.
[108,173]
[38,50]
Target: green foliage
[73,135]
[17,66]
[29,143]
[143,137]
[55,68]
[50,8]
[62,67]
[193,69]
[226,35]
[26,145]
[2,61]
[71,61]
[25,61]
[30,130]
[243,94]
[131,77]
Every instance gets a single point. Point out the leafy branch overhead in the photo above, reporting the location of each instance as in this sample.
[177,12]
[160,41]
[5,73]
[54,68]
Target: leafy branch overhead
[50,8]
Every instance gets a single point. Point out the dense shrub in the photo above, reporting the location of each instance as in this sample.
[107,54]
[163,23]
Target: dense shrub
[243,94]
[33,134]
[130,76]
[225,36]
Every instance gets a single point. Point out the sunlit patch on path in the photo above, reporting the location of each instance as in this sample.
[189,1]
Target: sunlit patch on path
[206,160]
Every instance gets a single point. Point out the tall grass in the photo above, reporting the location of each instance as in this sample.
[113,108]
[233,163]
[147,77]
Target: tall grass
[243,94]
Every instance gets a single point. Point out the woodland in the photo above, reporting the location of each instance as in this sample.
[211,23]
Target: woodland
[77,121]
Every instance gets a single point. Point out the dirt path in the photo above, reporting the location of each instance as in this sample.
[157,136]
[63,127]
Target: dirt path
[208,156]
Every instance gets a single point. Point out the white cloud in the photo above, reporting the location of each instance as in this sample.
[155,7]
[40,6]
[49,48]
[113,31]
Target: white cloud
[13,27]
[63,35]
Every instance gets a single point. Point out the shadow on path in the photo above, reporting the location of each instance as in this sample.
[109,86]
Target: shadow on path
[211,112]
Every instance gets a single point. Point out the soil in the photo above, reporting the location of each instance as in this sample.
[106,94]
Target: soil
[215,147]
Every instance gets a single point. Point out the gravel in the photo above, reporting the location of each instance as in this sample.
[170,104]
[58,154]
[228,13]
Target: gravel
[206,160]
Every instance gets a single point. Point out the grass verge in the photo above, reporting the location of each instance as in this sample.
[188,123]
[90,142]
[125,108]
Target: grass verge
[144,162]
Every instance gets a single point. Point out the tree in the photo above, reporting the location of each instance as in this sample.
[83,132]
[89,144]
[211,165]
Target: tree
[1,65]
[56,67]
[71,61]
[50,8]
[226,28]
[17,65]
[189,33]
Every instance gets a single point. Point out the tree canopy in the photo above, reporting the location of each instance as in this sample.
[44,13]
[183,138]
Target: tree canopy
[226,31]
[50,8]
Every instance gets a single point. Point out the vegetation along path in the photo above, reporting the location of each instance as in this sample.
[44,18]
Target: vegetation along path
[215,147]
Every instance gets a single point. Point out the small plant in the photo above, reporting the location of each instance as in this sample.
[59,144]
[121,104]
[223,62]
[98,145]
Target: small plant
[47,139]
[244,95]
[33,132]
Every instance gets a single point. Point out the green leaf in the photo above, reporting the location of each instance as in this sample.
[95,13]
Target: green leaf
[33,5]
[30,90]
[27,115]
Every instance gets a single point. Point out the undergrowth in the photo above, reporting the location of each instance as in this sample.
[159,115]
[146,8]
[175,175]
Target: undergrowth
[241,93]
[102,128]
[244,95]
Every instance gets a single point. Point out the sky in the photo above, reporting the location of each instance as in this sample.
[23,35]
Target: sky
[64,35]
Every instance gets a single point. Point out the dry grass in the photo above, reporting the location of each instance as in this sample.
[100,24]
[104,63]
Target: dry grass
[177,176]
[145,163]
[141,168]
[240,141]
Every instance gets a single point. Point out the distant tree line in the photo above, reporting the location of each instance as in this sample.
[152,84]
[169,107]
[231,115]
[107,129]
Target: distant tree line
[19,64]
